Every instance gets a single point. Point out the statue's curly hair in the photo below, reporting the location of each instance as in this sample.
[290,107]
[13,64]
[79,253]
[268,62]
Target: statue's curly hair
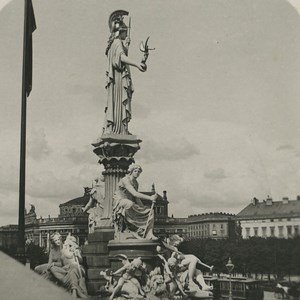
[133,167]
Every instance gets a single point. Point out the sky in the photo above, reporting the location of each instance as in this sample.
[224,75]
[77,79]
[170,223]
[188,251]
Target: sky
[217,109]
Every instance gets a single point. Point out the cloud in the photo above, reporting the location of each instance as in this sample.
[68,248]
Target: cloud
[295,4]
[285,147]
[172,150]
[3,3]
[83,155]
[63,183]
[216,174]
[9,178]
[38,147]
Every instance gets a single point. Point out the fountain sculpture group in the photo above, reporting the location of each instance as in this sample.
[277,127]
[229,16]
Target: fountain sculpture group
[125,260]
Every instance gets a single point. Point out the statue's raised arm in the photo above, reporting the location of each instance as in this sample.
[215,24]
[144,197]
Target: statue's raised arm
[119,84]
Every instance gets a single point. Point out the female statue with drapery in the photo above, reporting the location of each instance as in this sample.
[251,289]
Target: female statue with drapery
[119,85]
[130,215]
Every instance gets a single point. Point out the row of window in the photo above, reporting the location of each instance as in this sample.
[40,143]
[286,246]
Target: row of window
[71,210]
[273,231]
[76,230]
[271,220]
[173,230]
[205,233]
[204,226]
[158,210]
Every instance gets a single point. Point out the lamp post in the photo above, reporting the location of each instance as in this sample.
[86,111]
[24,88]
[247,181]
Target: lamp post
[230,267]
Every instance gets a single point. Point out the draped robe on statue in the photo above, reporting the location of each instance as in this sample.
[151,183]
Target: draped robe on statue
[119,89]
[129,213]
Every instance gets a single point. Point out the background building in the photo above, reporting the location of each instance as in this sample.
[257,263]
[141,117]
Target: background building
[71,219]
[270,218]
[9,236]
[212,225]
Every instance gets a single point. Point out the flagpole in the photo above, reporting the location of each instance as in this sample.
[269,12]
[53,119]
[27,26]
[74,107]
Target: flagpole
[21,239]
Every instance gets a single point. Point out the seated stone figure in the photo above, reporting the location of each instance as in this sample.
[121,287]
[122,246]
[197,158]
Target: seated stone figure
[129,213]
[184,266]
[71,273]
[54,257]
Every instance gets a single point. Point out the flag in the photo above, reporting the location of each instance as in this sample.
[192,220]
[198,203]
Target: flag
[29,28]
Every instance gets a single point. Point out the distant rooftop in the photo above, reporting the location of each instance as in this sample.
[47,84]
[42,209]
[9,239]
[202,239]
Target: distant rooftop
[217,216]
[83,200]
[10,227]
[271,209]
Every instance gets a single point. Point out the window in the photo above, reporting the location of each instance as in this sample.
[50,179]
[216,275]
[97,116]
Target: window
[255,231]
[272,231]
[296,230]
[280,231]
[289,230]
[272,220]
[264,231]
[247,232]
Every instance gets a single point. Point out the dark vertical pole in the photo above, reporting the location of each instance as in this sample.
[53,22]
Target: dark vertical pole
[21,244]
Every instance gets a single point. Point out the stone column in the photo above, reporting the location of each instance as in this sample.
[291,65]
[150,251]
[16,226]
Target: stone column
[115,152]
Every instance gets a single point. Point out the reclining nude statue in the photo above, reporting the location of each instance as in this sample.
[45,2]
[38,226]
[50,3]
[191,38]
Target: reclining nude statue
[54,257]
[64,267]
[71,274]
[130,216]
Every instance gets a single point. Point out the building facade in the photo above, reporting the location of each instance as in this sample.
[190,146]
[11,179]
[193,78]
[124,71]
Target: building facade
[9,235]
[71,220]
[270,218]
[212,225]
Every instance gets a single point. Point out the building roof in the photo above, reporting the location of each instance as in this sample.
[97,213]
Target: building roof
[10,227]
[83,200]
[275,209]
[212,216]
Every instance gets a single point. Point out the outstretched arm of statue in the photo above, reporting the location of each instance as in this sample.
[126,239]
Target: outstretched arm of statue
[136,194]
[125,59]
[119,271]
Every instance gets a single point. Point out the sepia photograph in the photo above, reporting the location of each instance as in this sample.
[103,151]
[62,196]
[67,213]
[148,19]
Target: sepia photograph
[150,149]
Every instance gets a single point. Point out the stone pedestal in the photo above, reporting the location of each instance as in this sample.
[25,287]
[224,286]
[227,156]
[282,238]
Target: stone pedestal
[145,249]
[96,257]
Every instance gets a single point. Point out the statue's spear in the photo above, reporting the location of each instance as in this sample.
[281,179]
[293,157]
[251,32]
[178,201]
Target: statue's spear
[129,27]
[128,35]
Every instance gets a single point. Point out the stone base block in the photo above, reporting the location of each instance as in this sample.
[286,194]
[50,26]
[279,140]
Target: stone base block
[98,261]
[97,248]
[101,236]
[93,286]
[146,249]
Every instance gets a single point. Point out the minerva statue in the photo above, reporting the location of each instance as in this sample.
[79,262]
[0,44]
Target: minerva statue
[119,84]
